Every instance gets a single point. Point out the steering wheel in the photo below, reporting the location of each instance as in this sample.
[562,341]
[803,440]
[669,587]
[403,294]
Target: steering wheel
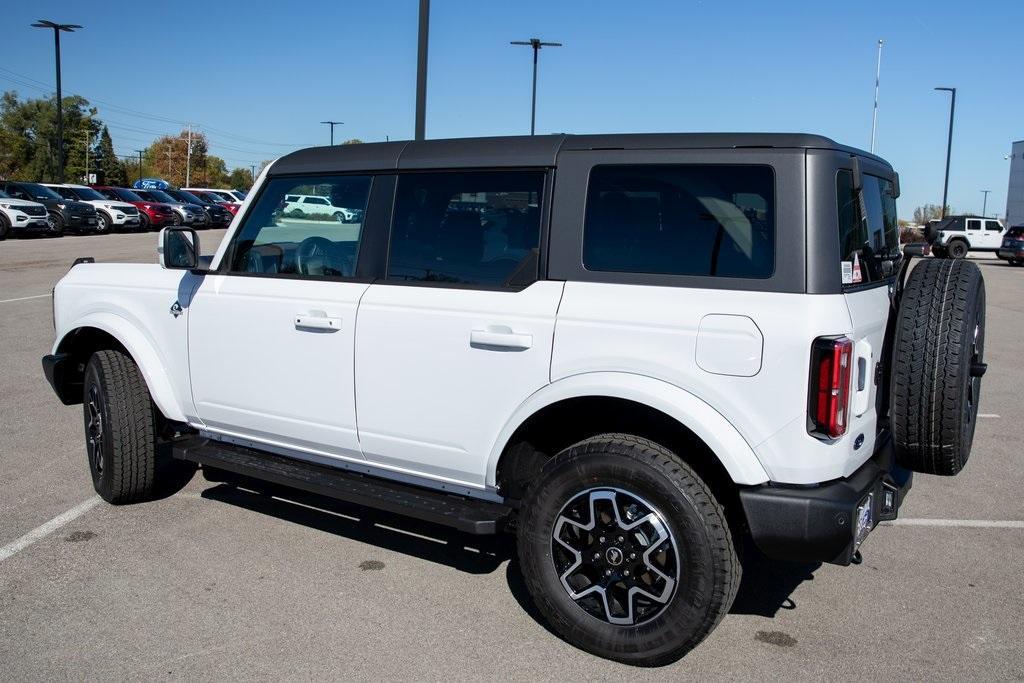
[315,251]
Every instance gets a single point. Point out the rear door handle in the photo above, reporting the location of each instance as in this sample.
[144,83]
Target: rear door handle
[500,337]
[316,320]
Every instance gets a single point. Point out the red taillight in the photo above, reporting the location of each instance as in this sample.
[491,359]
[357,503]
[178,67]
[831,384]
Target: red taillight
[831,363]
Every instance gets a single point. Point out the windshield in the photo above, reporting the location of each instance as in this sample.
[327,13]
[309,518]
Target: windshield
[126,195]
[869,244]
[190,197]
[40,191]
[161,196]
[87,193]
[4,195]
[224,196]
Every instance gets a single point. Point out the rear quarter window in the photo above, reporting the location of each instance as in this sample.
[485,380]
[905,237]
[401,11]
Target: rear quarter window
[681,219]
[869,238]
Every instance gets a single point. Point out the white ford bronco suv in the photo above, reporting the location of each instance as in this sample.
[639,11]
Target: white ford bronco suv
[638,353]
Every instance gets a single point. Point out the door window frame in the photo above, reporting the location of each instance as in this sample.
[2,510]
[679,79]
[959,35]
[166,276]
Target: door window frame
[545,213]
[376,217]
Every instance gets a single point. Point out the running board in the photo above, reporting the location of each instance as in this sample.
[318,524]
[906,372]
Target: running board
[460,512]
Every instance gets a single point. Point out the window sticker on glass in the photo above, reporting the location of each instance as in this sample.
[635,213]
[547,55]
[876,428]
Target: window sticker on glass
[847,272]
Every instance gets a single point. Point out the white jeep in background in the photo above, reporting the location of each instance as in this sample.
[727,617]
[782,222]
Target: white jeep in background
[955,236]
[641,354]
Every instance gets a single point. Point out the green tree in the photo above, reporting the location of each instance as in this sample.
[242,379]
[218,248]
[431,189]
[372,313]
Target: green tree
[215,173]
[239,179]
[353,141]
[168,156]
[111,170]
[28,136]
[923,214]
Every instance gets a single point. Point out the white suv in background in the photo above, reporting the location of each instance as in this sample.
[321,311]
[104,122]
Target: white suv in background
[21,215]
[110,214]
[301,205]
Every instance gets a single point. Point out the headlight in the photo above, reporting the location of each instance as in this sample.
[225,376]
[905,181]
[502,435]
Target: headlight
[6,206]
[62,206]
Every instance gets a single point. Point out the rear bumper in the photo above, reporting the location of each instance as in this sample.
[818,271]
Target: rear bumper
[819,523]
[1010,254]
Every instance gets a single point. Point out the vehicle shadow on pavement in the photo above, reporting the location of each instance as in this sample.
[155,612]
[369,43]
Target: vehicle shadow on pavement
[767,585]
[431,542]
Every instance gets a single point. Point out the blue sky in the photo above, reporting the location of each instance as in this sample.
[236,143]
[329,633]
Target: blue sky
[258,76]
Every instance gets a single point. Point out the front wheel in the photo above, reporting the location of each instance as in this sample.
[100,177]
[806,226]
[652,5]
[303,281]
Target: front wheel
[56,224]
[102,222]
[5,227]
[144,222]
[626,552]
[125,457]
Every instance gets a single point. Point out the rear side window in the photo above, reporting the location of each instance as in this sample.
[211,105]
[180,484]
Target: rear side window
[712,220]
[869,240]
[276,241]
[973,225]
[467,228]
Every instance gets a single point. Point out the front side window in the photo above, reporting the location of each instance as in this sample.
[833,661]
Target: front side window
[467,228]
[704,220]
[276,240]
[993,225]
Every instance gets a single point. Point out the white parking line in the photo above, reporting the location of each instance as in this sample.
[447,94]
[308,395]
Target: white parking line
[48,528]
[987,415]
[25,298]
[977,523]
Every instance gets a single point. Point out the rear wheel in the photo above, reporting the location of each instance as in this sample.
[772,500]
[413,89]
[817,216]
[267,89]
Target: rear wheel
[626,552]
[957,249]
[937,365]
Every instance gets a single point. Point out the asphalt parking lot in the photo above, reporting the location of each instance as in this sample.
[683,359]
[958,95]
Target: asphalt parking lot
[215,582]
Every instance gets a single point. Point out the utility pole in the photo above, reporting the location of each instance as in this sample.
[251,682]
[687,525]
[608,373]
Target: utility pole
[169,152]
[949,146]
[252,173]
[139,151]
[88,143]
[984,205]
[874,114]
[57,28]
[188,159]
[536,44]
[332,124]
[421,70]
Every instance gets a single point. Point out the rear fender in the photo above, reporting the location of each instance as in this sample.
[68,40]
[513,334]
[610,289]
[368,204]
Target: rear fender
[728,445]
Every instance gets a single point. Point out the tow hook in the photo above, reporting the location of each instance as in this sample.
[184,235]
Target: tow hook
[857,558]
[978,369]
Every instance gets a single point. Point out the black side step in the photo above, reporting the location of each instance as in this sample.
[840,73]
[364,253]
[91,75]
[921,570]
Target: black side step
[463,513]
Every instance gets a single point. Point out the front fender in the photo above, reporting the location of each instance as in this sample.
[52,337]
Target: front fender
[142,350]
[722,438]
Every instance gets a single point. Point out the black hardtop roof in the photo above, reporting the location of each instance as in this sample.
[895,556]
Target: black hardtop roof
[525,150]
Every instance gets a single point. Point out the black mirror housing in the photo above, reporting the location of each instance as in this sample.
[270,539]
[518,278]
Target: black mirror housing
[179,248]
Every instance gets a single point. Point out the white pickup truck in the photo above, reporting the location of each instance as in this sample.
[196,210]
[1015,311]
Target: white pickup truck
[686,342]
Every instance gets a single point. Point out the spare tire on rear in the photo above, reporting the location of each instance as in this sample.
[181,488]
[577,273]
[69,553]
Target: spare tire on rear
[937,364]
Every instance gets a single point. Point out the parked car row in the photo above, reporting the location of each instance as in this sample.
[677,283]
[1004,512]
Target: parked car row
[53,209]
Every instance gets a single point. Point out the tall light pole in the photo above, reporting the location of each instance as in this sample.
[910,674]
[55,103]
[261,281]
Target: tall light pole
[421,70]
[139,151]
[332,124]
[536,44]
[984,204]
[57,28]
[949,146]
[874,114]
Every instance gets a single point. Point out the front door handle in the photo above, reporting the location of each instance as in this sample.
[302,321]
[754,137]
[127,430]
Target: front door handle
[500,337]
[317,320]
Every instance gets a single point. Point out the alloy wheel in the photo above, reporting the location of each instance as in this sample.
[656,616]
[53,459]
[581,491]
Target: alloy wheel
[615,556]
[94,433]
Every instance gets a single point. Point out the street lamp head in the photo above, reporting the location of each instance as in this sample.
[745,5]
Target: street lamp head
[535,43]
[45,23]
[947,89]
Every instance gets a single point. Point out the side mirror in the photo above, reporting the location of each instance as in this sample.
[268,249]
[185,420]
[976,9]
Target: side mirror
[178,248]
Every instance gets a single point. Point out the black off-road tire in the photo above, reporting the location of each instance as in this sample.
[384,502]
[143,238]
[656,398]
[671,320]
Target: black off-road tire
[708,569]
[132,464]
[957,249]
[939,252]
[937,364]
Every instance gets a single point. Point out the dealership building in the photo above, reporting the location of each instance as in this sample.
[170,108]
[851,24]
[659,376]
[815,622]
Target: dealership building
[1015,191]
